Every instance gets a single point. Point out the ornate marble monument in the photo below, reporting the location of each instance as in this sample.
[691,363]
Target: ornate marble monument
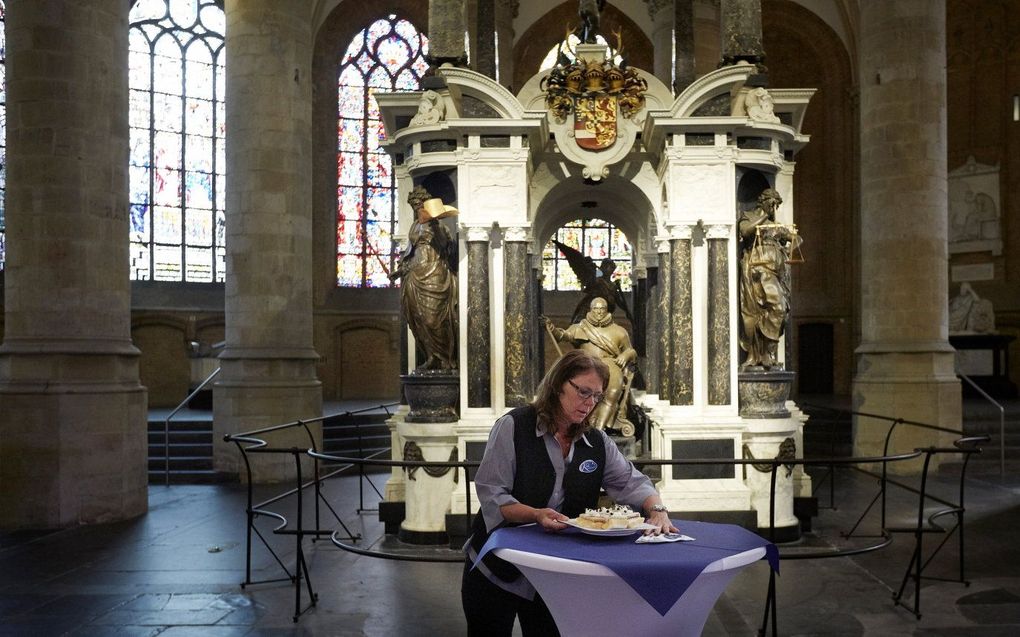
[675,176]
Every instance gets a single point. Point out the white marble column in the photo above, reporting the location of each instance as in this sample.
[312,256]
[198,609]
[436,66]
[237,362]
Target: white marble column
[72,411]
[905,363]
[268,364]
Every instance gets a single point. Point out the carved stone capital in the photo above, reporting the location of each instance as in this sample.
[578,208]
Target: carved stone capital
[515,233]
[681,232]
[476,233]
[717,231]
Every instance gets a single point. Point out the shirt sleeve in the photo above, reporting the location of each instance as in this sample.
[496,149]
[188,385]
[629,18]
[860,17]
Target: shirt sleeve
[621,480]
[495,477]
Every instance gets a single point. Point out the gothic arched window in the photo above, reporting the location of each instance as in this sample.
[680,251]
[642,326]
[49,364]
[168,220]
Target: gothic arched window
[3,132]
[177,131]
[593,238]
[388,55]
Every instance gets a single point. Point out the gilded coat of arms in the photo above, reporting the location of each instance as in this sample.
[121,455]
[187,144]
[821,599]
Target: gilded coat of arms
[596,94]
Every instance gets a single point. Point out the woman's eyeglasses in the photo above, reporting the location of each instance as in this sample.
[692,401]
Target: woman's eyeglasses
[584,393]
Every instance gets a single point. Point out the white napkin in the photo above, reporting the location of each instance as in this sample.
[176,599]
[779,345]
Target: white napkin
[663,537]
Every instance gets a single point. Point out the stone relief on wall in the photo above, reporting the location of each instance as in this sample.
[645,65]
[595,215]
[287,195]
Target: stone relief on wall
[974,209]
[969,313]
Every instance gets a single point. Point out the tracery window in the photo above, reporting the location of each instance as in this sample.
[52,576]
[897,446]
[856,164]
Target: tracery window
[177,118]
[3,132]
[593,238]
[388,55]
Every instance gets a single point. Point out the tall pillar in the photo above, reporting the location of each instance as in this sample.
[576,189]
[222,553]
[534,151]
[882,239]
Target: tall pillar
[683,45]
[741,31]
[905,365]
[661,13]
[268,365]
[479,339]
[484,56]
[719,377]
[72,412]
[515,275]
[652,313]
[446,32]
[506,11]
[665,321]
[682,327]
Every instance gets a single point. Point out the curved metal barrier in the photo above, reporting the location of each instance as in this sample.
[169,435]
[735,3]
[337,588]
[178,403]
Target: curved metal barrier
[345,540]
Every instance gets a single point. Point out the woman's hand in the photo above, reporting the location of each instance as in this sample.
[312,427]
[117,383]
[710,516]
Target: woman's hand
[550,519]
[660,520]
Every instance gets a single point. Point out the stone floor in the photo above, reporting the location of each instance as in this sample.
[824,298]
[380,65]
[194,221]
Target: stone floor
[176,571]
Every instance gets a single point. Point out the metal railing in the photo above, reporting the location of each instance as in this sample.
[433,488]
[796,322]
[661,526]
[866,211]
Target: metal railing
[1002,422]
[254,442]
[166,423]
[349,541]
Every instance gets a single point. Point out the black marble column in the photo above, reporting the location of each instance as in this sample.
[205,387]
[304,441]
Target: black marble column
[479,337]
[681,330]
[484,53]
[683,44]
[446,32]
[652,330]
[740,30]
[515,276]
[665,322]
[718,316]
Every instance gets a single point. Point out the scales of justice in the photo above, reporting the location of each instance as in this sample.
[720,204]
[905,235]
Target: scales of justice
[696,182]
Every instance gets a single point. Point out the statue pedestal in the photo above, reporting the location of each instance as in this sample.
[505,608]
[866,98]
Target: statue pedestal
[763,394]
[427,490]
[771,433]
[433,396]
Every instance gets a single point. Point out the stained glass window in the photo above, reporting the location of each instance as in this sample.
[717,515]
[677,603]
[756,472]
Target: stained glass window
[388,55]
[3,132]
[567,48]
[593,238]
[177,123]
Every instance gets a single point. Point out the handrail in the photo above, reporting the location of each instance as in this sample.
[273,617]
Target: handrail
[166,424]
[1002,422]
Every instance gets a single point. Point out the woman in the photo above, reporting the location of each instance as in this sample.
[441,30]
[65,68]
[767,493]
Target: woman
[545,464]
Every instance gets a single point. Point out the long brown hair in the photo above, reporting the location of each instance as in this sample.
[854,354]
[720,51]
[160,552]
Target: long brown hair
[547,398]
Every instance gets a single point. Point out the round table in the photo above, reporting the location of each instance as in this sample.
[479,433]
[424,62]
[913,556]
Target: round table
[590,599]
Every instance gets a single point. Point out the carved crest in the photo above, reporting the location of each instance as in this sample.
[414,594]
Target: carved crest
[596,94]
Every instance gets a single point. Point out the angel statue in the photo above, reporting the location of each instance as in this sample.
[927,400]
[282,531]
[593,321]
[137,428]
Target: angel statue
[428,294]
[596,282]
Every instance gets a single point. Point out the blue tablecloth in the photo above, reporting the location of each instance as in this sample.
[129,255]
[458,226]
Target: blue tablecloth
[659,573]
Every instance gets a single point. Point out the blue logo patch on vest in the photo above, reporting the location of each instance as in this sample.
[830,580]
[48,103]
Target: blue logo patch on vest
[588,466]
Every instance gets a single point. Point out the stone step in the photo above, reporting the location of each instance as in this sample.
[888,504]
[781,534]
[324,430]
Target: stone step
[194,476]
[176,450]
[180,463]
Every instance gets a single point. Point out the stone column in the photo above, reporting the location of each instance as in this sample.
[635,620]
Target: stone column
[72,412]
[506,11]
[652,316]
[479,339]
[905,367]
[515,275]
[446,32]
[661,13]
[683,45]
[268,364]
[740,30]
[681,330]
[719,360]
[665,322]
[484,55]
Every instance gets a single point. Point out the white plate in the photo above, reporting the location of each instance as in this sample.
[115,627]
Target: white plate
[610,532]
